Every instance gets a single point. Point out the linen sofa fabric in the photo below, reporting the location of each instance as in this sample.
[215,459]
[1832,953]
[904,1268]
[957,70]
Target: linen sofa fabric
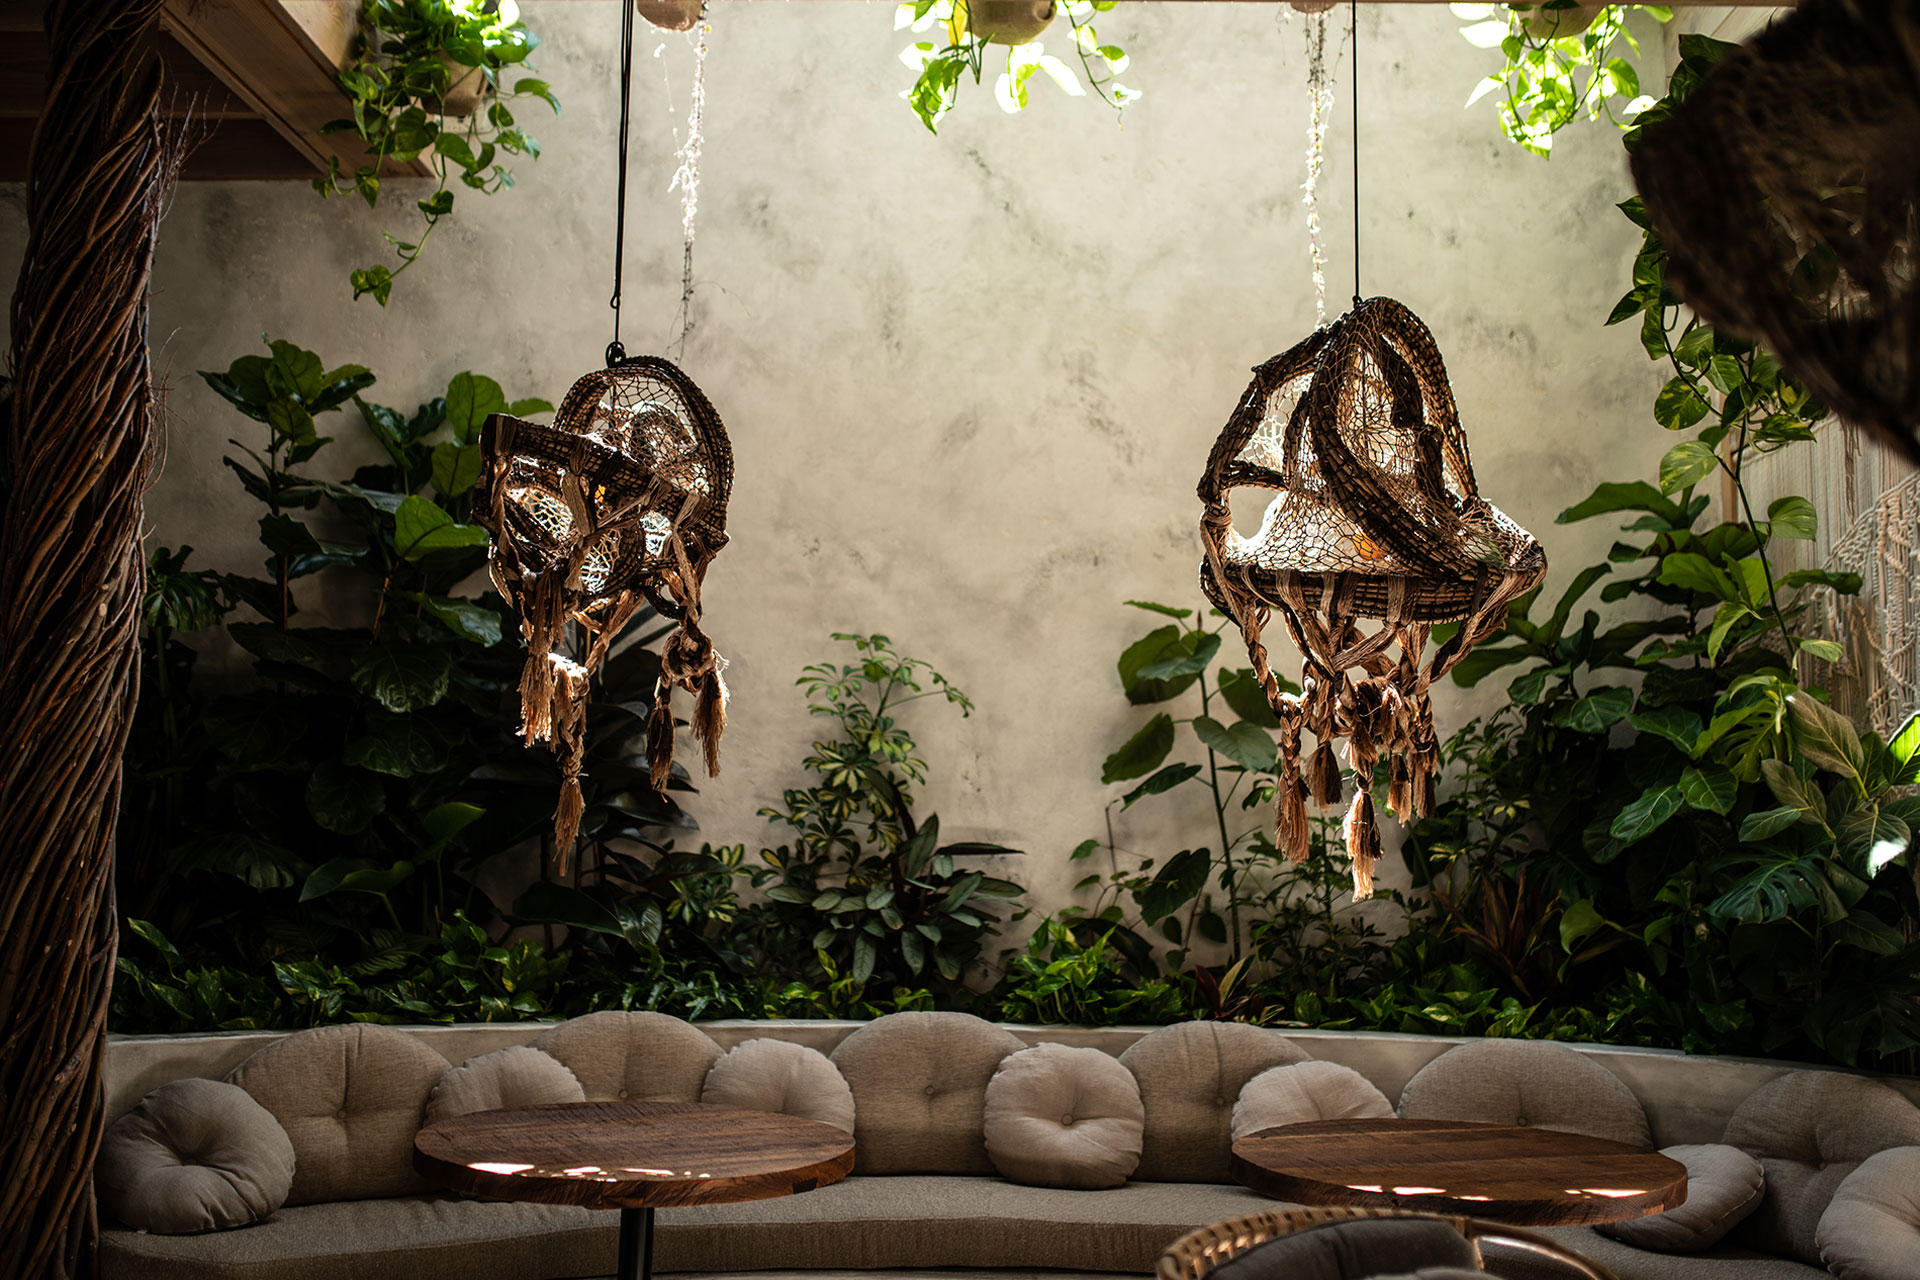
[1358,1250]
[1190,1075]
[517,1076]
[1871,1229]
[633,1057]
[1809,1130]
[1629,1262]
[780,1076]
[919,1084]
[1063,1117]
[1530,1083]
[194,1155]
[1304,1092]
[350,1099]
[1724,1186]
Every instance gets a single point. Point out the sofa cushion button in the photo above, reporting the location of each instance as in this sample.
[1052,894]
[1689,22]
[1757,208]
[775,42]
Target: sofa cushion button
[623,1093]
[1522,1122]
[341,1114]
[1066,1120]
[929,1091]
[1219,1102]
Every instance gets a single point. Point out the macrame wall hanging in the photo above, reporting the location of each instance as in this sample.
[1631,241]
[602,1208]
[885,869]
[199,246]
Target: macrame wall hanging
[1376,518]
[621,502]
[1786,190]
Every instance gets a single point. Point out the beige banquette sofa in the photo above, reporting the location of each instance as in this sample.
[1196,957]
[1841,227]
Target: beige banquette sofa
[926,1191]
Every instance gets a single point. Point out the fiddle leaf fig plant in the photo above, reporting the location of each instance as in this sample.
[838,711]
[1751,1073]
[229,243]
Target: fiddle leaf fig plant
[962,30]
[430,84]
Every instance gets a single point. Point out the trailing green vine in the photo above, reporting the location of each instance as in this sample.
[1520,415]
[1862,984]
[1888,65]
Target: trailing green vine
[960,47]
[1560,67]
[427,85]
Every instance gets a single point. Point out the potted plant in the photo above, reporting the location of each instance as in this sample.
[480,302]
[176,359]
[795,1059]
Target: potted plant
[964,29]
[424,72]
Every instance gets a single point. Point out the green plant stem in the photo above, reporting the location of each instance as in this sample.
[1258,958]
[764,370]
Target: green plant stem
[1220,819]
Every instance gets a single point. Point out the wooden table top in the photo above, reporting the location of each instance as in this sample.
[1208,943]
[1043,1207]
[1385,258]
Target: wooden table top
[1528,1177]
[632,1155]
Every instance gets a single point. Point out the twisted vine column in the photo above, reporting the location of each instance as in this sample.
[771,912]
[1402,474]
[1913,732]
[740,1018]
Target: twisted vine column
[81,442]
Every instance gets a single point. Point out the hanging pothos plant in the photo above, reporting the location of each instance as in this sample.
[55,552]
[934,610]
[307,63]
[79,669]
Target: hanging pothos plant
[963,30]
[1563,63]
[428,85]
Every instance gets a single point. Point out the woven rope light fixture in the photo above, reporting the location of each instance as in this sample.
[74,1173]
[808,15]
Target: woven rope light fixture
[621,502]
[1786,190]
[1376,517]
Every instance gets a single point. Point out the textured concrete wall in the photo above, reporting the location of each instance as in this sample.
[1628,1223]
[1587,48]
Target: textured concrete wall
[971,379]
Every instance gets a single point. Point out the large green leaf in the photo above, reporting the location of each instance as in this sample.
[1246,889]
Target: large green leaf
[1164,780]
[465,618]
[1598,712]
[344,875]
[1197,651]
[403,677]
[1762,823]
[1711,787]
[1175,885]
[421,528]
[344,799]
[1247,699]
[1156,646]
[1246,745]
[1789,788]
[1677,725]
[455,468]
[397,745]
[1636,495]
[1685,465]
[1824,736]
[261,863]
[1871,838]
[1646,814]
[1906,739]
[1792,517]
[470,398]
[1142,753]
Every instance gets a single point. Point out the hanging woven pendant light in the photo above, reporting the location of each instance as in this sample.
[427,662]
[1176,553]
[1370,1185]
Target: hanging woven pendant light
[1376,517]
[1786,192]
[621,502]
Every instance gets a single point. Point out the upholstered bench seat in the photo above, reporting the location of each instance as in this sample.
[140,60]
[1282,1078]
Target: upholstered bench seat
[1722,1262]
[894,1222]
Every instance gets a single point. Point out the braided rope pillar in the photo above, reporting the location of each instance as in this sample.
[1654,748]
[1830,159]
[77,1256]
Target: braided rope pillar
[81,441]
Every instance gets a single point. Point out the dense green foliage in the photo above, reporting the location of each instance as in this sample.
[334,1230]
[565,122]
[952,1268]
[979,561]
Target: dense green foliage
[416,58]
[1556,70]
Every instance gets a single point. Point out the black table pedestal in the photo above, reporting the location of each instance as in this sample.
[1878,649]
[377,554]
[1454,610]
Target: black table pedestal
[636,1244]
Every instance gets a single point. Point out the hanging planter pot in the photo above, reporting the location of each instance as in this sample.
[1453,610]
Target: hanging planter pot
[1008,21]
[1544,23]
[670,15]
[468,91]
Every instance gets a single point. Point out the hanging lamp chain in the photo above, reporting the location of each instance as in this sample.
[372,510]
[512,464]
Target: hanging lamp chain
[615,352]
[1353,38]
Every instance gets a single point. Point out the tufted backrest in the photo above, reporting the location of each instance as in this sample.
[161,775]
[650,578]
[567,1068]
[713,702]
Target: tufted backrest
[633,1057]
[919,1083]
[1190,1075]
[1809,1130]
[1527,1082]
[350,1100]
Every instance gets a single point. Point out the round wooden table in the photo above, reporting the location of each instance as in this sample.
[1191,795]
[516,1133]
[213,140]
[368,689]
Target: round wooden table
[634,1157]
[1528,1177]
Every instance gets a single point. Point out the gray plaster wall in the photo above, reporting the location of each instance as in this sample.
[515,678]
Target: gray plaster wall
[970,379]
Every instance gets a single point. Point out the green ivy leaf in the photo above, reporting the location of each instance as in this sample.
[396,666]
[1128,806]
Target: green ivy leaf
[1678,406]
[1793,517]
[1685,465]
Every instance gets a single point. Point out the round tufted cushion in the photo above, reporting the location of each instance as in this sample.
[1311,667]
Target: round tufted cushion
[194,1155]
[1061,1117]
[350,1100]
[779,1076]
[1190,1075]
[517,1076]
[1527,1082]
[1724,1185]
[1809,1130]
[633,1057]
[1871,1229]
[919,1084]
[1303,1092]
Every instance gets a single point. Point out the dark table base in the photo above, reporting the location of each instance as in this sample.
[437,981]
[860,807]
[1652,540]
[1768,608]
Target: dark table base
[636,1245]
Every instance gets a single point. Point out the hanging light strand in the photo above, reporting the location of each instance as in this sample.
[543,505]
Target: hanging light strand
[686,179]
[616,352]
[1319,101]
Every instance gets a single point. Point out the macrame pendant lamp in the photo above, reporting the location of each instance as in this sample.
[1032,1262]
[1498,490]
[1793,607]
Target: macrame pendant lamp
[1786,192]
[621,502]
[1376,519]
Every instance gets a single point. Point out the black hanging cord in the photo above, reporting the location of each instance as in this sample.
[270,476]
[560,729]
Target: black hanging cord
[615,352]
[1353,38]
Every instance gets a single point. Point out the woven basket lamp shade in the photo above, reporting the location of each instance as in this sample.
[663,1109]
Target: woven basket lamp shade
[1786,191]
[1376,519]
[622,501]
